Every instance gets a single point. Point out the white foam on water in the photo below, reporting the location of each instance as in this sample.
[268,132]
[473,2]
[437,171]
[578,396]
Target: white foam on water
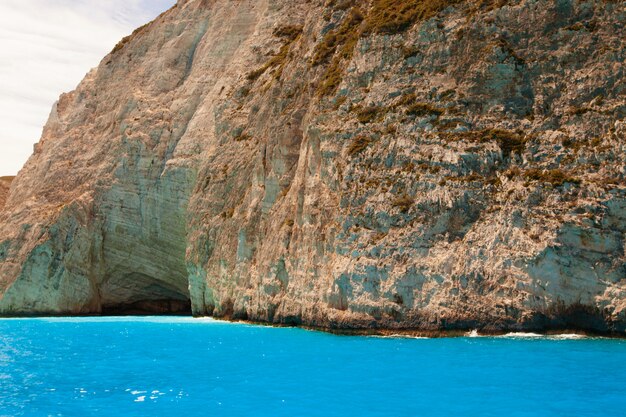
[140,399]
[522,335]
[415,337]
[473,333]
[564,336]
[568,336]
[396,336]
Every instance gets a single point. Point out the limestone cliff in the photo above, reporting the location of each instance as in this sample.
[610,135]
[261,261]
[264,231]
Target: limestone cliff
[415,164]
[5,185]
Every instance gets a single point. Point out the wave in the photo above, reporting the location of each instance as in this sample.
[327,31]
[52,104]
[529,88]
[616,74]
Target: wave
[397,336]
[530,335]
[523,335]
[569,336]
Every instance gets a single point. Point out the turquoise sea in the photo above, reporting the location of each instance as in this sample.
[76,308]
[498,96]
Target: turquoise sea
[170,366]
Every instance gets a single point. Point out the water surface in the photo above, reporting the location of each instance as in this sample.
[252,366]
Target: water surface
[153,366]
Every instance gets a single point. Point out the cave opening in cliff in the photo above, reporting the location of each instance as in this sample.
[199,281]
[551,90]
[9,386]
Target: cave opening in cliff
[149,308]
[139,294]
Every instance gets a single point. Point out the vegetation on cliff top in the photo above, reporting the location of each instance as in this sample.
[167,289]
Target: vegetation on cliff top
[122,43]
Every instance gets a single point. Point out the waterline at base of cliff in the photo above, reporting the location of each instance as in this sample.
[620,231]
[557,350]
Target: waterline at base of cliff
[557,331]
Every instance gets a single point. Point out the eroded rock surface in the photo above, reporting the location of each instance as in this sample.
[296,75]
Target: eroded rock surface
[5,185]
[450,165]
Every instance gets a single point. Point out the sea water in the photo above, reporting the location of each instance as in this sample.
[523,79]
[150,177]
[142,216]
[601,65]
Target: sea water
[166,366]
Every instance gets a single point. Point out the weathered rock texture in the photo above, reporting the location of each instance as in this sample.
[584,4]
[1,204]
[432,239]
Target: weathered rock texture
[395,164]
[5,185]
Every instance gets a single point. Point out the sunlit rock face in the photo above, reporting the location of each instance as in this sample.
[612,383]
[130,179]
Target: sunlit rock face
[5,185]
[447,165]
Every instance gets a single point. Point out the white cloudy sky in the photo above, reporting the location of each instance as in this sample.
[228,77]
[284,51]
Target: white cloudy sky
[46,48]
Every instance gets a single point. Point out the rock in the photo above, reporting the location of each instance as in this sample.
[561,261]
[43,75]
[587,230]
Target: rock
[283,162]
[5,185]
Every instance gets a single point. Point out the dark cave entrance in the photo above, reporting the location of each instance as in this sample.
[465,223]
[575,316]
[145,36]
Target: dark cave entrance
[149,308]
[140,294]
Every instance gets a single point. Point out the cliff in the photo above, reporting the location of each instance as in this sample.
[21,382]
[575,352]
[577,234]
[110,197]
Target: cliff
[5,185]
[415,164]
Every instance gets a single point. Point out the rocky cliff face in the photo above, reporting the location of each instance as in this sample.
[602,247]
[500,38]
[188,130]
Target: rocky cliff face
[5,185]
[414,164]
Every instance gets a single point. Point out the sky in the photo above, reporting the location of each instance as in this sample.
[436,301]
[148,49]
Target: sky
[46,48]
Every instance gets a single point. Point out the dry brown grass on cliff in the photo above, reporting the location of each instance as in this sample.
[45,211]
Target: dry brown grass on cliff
[579,143]
[340,4]
[508,141]
[555,177]
[417,108]
[243,137]
[370,114]
[359,144]
[406,100]
[337,45]
[342,40]
[277,60]
[381,17]
[473,177]
[403,203]
[395,16]
[424,109]
[291,34]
